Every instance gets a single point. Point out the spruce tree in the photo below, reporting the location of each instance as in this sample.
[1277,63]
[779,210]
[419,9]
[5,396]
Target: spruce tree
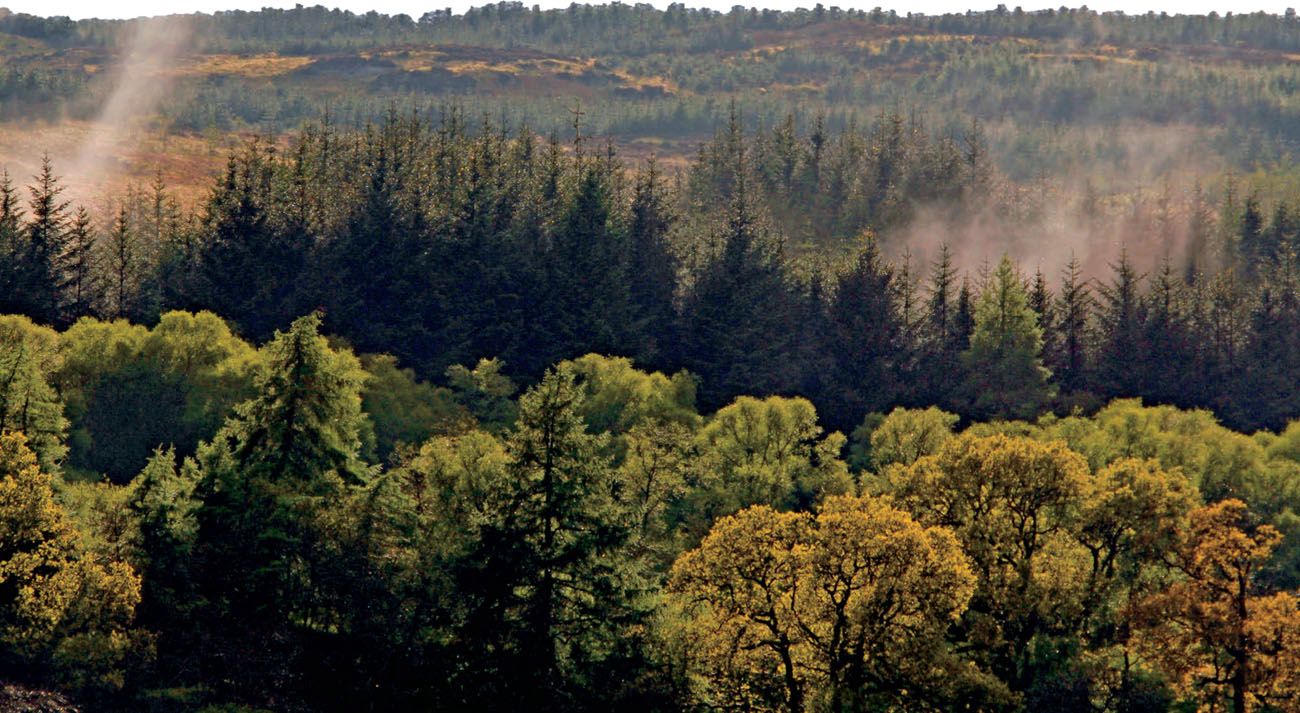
[1005,374]
[372,272]
[1264,393]
[1043,303]
[1120,336]
[587,279]
[737,320]
[269,482]
[1283,232]
[80,288]
[1074,306]
[121,267]
[13,249]
[938,372]
[865,340]
[240,270]
[46,247]
[651,268]
[1168,352]
[556,547]
[1252,248]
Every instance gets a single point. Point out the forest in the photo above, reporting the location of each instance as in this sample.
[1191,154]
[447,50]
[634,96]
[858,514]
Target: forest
[923,395]
[432,416]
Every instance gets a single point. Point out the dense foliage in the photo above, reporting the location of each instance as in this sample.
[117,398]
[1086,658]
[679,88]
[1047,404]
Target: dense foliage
[421,412]
[598,543]
[206,513]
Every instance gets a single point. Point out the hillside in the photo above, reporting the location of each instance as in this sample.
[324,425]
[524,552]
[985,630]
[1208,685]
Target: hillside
[1119,99]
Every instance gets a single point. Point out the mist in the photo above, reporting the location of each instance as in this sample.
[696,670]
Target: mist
[139,80]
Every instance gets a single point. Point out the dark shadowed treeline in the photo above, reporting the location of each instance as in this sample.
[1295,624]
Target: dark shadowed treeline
[756,270]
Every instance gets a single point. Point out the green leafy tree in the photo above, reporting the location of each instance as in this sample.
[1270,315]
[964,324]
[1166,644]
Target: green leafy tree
[765,452]
[842,611]
[406,411]
[619,397]
[1011,503]
[29,359]
[130,390]
[906,435]
[485,392]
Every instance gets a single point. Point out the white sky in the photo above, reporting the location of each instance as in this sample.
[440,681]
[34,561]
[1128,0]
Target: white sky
[78,9]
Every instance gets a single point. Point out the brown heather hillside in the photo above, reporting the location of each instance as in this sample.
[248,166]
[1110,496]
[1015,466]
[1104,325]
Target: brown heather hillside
[118,115]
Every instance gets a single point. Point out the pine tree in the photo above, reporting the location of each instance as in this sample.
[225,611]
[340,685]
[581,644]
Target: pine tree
[269,482]
[865,340]
[1005,374]
[1120,332]
[13,248]
[122,266]
[46,246]
[80,287]
[652,267]
[737,320]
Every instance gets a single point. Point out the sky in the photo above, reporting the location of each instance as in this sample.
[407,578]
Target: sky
[78,9]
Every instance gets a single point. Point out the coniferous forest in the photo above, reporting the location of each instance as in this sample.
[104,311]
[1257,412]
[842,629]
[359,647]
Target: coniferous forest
[439,409]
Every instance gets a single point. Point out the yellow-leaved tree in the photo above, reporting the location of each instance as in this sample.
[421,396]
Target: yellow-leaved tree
[1013,505]
[845,610]
[1222,639]
[65,614]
